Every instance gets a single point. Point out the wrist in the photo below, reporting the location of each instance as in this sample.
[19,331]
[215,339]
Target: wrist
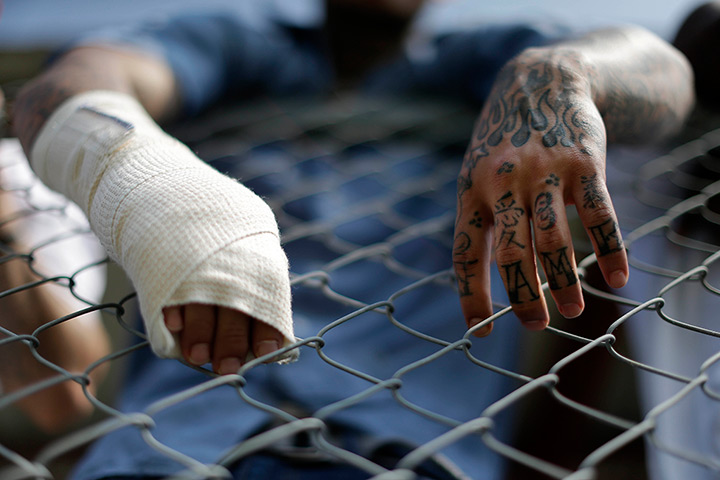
[566,70]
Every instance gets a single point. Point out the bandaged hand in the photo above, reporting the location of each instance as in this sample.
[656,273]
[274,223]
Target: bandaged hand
[202,250]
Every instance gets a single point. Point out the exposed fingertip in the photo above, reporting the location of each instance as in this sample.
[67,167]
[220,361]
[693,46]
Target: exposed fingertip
[617,279]
[199,354]
[229,366]
[570,310]
[173,319]
[536,324]
[266,347]
[174,323]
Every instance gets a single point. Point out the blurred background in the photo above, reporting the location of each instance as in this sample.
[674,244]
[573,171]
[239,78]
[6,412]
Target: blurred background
[45,23]
[30,30]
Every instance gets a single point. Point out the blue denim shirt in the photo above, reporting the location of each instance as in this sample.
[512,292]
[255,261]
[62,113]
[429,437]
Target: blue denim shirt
[216,55]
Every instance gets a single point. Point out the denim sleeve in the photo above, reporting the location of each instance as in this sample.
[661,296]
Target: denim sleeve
[219,55]
[462,64]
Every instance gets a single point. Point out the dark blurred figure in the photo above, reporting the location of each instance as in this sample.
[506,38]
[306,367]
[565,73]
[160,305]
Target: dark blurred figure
[698,38]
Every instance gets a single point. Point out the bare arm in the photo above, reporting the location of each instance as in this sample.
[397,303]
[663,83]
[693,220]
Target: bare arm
[148,79]
[72,345]
[539,144]
[642,86]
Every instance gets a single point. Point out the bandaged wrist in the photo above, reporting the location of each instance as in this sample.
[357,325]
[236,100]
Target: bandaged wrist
[183,232]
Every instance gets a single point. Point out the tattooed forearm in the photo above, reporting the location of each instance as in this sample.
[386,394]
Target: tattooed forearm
[607,237]
[641,85]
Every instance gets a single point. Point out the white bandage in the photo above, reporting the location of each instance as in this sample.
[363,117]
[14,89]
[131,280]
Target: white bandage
[183,232]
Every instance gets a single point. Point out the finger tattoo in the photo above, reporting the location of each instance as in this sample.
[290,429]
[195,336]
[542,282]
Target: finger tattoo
[558,269]
[592,196]
[461,246]
[607,237]
[507,217]
[476,221]
[506,211]
[463,276]
[544,212]
[506,167]
[553,180]
[464,183]
[518,288]
[509,237]
[462,243]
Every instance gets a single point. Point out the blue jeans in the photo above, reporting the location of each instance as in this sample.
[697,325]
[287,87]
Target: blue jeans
[269,467]
[265,467]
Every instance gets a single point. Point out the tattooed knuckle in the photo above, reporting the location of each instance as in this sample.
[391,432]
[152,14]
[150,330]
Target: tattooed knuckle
[547,182]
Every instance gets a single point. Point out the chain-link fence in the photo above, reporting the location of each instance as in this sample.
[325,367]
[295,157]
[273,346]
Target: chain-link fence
[365,196]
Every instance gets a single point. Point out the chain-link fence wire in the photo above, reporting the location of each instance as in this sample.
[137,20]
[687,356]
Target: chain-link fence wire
[383,173]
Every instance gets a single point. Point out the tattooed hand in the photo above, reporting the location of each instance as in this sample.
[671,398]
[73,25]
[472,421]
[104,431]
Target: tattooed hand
[539,144]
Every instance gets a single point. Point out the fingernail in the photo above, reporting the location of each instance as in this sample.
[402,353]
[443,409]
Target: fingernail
[200,354]
[618,279]
[229,366]
[265,347]
[570,310]
[536,324]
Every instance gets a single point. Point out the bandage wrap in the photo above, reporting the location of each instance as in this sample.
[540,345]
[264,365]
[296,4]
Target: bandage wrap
[183,232]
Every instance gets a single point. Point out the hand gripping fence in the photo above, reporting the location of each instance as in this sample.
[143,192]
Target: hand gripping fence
[364,192]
